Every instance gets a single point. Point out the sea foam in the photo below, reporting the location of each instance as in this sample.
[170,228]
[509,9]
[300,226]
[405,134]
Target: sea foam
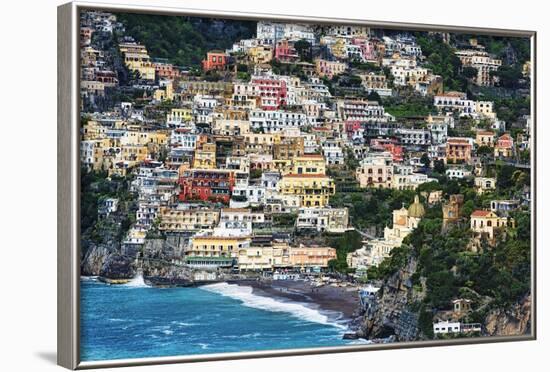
[245,295]
[136,282]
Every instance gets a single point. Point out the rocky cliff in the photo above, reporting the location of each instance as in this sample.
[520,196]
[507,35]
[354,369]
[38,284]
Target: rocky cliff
[390,312]
[515,320]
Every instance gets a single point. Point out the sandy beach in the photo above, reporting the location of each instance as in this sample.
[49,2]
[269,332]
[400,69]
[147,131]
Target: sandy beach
[343,300]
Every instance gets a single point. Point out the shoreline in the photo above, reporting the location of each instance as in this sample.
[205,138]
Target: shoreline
[339,303]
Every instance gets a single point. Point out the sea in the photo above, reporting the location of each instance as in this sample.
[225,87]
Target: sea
[135,320]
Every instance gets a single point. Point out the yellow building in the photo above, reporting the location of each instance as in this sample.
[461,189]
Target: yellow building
[484,184]
[92,130]
[485,109]
[177,220]
[309,164]
[283,166]
[256,258]
[163,94]
[259,143]
[339,48]
[329,68]
[180,115]
[487,223]
[141,138]
[217,246]
[137,59]
[140,63]
[314,190]
[261,54]
[288,147]
[485,138]
[134,153]
[229,127]
[205,156]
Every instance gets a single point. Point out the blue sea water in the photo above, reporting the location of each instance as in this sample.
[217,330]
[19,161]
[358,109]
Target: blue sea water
[137,321]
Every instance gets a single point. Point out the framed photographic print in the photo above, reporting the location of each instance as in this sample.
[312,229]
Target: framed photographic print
[236,185]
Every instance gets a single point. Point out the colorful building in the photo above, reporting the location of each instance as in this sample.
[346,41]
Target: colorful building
[314,190]
[375,170]
[206,184]
[504,147]
[183,220]
[215,60]
[458,150]
[486,223]
[308,164]
[313,256]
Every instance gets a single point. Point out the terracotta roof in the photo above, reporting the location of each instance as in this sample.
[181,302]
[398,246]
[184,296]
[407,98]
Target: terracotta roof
[480,213]
[458,140]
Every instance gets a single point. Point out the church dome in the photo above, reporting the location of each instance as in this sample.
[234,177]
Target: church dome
[416,209]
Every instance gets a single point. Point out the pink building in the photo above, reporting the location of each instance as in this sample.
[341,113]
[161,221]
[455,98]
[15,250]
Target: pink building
[284,52]
[504,146]
[273,92]
[367,48]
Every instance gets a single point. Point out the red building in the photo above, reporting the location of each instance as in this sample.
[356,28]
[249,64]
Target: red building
[354,129]
[389,145]
[284,52]
[166,70]
[207,184]
[215,60]
[273,92]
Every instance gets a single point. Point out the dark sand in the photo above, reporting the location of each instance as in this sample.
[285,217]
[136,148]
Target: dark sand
[340,300]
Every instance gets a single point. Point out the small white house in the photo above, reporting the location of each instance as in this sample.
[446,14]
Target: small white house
[446,327]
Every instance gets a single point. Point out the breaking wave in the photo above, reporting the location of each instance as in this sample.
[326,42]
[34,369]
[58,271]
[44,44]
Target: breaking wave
[245,295]
[136,282]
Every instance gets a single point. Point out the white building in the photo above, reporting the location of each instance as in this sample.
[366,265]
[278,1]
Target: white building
[332,152]
[446,327]
[334,220]
[276,121]
[457,173]
[414,137]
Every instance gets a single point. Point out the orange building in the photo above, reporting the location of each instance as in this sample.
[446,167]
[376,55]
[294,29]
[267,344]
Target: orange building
[166,70]
[303,256]
[458,150]
[215,60]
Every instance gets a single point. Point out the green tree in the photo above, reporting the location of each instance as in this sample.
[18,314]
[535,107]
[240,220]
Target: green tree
[303,48]
[425,160]
[469,72]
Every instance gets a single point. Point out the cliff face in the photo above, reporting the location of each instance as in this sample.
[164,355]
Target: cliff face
[93,259]
[389,313]
[516,320]
[98,243]
[117,266]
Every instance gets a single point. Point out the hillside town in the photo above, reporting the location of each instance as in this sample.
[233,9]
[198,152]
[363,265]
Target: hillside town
[338,154]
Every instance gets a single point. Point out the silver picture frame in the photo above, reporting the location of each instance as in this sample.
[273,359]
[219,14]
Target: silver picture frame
[68,186]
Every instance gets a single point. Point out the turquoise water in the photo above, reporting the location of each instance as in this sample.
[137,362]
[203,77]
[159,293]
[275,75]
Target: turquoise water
[136,321]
